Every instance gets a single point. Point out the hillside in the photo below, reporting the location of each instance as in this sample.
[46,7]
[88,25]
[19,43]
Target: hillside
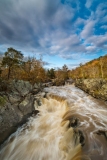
[96,68]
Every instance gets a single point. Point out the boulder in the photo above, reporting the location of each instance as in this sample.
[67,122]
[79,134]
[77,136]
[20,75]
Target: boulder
[27,105]
[17,105]
[20,87]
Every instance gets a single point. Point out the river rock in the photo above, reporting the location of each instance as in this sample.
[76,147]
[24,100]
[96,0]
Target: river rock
[73,122]
[81,136]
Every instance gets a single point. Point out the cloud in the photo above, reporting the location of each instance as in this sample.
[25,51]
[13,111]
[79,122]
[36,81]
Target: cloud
[98,41]
[88,29]
[52,27]
[91,49]
[104,26]
[27,22]
[88,3]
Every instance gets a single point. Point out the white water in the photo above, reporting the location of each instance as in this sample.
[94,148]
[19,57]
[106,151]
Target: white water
[48,136]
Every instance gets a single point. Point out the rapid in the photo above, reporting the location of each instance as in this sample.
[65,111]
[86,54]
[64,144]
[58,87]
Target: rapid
[70,125]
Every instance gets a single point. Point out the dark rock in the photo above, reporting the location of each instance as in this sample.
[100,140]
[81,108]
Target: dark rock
[74,122]
[35,112]
[82,139]
[81,136]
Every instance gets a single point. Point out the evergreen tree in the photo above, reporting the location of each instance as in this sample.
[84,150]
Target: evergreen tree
[12,58]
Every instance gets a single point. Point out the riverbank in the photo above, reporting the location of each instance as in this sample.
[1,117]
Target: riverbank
[95,87]
[17,105]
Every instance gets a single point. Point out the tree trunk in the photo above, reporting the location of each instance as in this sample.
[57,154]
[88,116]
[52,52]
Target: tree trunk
[101,67]
[102,71]
[8,73]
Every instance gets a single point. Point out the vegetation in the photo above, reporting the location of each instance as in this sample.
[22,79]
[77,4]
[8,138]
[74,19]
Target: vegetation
[13,66]
[11,59]
[96,68]
[2,101]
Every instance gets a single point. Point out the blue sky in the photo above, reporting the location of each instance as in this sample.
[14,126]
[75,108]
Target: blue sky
[61,31]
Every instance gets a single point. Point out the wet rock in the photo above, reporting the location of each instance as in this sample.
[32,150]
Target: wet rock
[73,122]
[81,136]
[35,104]
[82,139]
[35,112]
[38,97]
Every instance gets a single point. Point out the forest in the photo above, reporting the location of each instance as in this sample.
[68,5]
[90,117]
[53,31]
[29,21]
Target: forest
[96,68]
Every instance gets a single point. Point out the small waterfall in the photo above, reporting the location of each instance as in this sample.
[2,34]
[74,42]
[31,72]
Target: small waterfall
[70,125]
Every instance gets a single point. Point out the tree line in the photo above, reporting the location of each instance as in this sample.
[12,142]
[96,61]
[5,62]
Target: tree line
[14,66]
[96,68]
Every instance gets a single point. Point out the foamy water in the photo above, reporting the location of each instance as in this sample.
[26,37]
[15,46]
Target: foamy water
[49,135]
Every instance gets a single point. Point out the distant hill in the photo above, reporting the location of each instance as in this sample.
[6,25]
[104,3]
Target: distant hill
[96,68]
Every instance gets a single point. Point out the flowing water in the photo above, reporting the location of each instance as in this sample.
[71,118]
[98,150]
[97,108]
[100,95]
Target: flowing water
[70,125]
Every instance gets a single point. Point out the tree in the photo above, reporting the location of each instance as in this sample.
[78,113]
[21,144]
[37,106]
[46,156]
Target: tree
[12,58]
[65,68]
[101,66]
[51,73]
[82,71]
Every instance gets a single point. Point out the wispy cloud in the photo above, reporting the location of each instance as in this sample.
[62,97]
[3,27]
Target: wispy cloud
[88,3]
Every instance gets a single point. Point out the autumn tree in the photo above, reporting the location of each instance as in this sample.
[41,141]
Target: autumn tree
[33,70]
[65,71]
[11,58]
[101,66]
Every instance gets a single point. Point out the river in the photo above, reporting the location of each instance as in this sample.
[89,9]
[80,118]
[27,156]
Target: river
[70,125]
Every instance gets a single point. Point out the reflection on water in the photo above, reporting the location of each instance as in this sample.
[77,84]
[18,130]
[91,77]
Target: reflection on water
[71,125]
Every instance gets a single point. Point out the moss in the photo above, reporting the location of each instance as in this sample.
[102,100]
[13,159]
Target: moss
[2,101]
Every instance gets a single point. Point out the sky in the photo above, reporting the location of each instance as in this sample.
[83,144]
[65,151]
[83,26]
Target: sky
[60,31]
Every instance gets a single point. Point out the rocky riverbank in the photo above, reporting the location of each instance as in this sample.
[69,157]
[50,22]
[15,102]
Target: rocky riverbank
[95,87]
[17,105]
